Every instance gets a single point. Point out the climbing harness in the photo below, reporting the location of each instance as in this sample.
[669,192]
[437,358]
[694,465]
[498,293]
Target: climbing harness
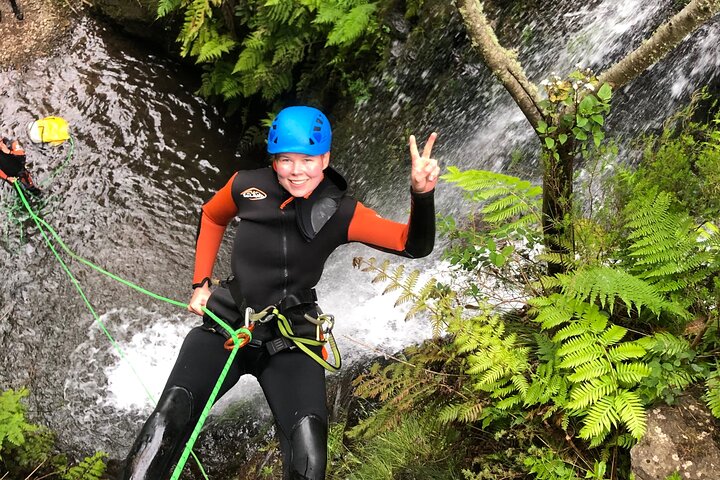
[285,335]
[47,232]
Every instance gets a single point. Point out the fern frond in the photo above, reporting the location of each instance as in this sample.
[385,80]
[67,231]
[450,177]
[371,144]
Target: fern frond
[632,413]
[195,14]
[575,345]
[665,343]
[589,393]
[553,315]
[632,373]
[166,6]
[328,13]
[612,335]
[91,468]
[508,403]
[352,25]
[594,369]
[626,351]
[582,357]
[600,419]
[213,50]
[605,284]
[508,196]
[665,246]
[712,393]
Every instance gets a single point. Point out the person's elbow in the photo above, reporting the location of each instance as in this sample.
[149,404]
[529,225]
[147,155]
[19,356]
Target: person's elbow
[420,249]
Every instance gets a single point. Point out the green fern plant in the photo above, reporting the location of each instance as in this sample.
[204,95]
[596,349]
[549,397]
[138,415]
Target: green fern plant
[664,248]
[261,47]
[28,451]
[14,428]
[712,393]
[507,203]
[91,468]
[604,371]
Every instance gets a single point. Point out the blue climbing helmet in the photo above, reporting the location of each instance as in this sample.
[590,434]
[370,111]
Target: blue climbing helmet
[300,130]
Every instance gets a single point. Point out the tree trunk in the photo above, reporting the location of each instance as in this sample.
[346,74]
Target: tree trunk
[558,236]
[665,38]
[558,174]
[502,62]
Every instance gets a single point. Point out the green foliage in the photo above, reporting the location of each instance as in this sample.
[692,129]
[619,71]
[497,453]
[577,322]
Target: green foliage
[665,250]
[545,464]
[712,394]
[574,113]
[27,450]
[684,160]
[577,357]
[17,440]
[505,226]
[92,468]
[508,204]
[267,47]
[402,387]
[419,447]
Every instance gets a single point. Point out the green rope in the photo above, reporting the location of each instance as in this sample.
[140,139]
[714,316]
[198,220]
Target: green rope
[60,167]
[43,226]
[17,206]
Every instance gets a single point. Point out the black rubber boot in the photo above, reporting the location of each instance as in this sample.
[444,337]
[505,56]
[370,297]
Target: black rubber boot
[162,437]
[308,455]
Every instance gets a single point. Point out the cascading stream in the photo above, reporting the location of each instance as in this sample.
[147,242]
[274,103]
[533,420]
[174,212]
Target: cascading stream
[149,152]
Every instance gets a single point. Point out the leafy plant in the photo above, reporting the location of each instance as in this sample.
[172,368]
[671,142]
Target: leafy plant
[267,47]
[21,443]
[27,450]
[92,468]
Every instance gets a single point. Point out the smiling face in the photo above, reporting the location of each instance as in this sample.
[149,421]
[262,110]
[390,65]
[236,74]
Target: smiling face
[300,174]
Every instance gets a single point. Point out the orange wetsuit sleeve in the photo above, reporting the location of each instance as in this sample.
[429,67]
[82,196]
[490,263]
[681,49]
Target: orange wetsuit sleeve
[368,227]
[3,175]
[415,239]
[216,215]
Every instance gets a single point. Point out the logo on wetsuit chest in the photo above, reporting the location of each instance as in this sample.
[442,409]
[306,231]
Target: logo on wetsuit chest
[254,193]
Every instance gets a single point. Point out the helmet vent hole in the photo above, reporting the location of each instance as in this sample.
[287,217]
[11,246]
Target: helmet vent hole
[311,141]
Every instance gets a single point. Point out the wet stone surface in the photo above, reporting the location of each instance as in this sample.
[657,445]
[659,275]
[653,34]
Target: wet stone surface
[680,438]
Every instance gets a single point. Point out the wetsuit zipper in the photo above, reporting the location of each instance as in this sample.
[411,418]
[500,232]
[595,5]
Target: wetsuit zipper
[284,247]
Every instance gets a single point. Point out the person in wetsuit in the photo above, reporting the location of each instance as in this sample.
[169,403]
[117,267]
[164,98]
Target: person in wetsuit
[292,217]
[12,165]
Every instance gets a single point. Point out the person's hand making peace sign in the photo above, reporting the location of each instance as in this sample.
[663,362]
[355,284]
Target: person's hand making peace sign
[425,170]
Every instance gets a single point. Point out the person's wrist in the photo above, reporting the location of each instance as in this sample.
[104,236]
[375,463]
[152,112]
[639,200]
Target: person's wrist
[202,283]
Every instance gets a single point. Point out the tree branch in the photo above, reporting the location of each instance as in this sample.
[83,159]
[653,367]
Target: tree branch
[502,62]
[665,38]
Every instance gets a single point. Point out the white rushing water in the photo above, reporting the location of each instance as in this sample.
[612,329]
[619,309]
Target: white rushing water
[368,324]
[128,201]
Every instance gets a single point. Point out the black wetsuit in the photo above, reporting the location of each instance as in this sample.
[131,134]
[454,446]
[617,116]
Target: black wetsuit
[281,245]
[12,164]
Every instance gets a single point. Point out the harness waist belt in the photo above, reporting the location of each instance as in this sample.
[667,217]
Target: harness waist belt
[293,299]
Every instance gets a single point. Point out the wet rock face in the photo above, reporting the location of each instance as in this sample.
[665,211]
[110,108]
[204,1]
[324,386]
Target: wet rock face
[138,19]
[682,438]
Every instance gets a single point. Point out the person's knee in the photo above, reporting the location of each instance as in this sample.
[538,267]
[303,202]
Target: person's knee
[177,404]
[158,443]
[308,443]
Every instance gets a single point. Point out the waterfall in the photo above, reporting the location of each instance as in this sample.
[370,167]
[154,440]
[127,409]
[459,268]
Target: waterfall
[149,152]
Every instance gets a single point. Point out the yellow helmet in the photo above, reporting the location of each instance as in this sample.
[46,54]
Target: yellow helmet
[52,130]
